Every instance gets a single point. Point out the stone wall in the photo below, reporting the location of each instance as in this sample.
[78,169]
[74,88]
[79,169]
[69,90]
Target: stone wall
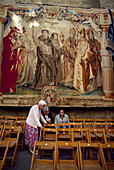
[79,113]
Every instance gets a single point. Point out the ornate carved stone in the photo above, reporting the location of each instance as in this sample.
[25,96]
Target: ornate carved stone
[51,95]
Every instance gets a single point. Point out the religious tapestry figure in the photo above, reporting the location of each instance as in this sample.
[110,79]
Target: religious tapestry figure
[69,48]
[12,59]
[26,73]
[87,69]
[45,73]
[57,51]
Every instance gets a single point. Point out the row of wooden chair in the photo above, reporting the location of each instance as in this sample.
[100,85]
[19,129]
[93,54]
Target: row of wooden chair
[77,134]
[9,136]
[13,118]
[86,156]
[15,123]
[92,120]
[90,125]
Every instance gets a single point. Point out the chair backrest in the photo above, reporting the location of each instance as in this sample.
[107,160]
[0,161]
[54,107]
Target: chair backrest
[63,125]
[89,120]
[10,118]
[20,123]
[76,125]
[109,156]
[21,118]
[64,134]
[100,125]
[11,133]
[5,145]
[109,125]
[93,155]
[109,120]
[68,161]
[1,117]
[109,133]
[1,131]
[50,125]
[80,134]
[71,120]
[88,125]
[78,120]
[93,133]
[37,160]
[49,134]
[100,120]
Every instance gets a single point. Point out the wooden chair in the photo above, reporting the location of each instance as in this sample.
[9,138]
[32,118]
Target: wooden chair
[76,125]
[41,164]
[109,135]
[48,134]
[109,160]
[4,145]
[63,125]
[11,133]
[1,131]
[93,154]
[1,117]
[67,163]
[10,118]
[6,122]
[78,120]
[71,120]
[21,118]
[100,125]
[97,135]
[88,125]
[99,120]
[89,120]
[64,134]
[109,125]
[80,135]
[109,120]
[50,125]
[20,123]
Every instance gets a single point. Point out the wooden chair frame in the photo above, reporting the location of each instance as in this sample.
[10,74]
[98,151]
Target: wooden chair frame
[80,134]
[35,161]
[68,162]
[90,161]
[4,144]
[7,136]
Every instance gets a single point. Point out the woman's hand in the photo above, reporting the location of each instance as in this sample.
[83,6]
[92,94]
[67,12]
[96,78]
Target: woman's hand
[42,128]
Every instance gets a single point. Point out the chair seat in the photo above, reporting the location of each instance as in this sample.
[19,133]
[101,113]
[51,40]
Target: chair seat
[93,136]
[112,135]
[64,136]
[52,138]
[65,147]
[11,143]
[92,167]
[107,136]
[44,166]
[78,136]
[46,148]
[67,167]
[99,135]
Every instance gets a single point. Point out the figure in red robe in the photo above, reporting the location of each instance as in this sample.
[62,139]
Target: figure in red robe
[12,57]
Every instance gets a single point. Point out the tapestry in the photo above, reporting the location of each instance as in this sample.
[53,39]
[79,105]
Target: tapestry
[51,46]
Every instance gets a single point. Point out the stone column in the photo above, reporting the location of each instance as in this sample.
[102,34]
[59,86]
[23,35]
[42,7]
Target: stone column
[2,21]
[107,65]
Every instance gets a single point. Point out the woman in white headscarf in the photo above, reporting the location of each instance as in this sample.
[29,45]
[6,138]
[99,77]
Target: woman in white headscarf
[32,124]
